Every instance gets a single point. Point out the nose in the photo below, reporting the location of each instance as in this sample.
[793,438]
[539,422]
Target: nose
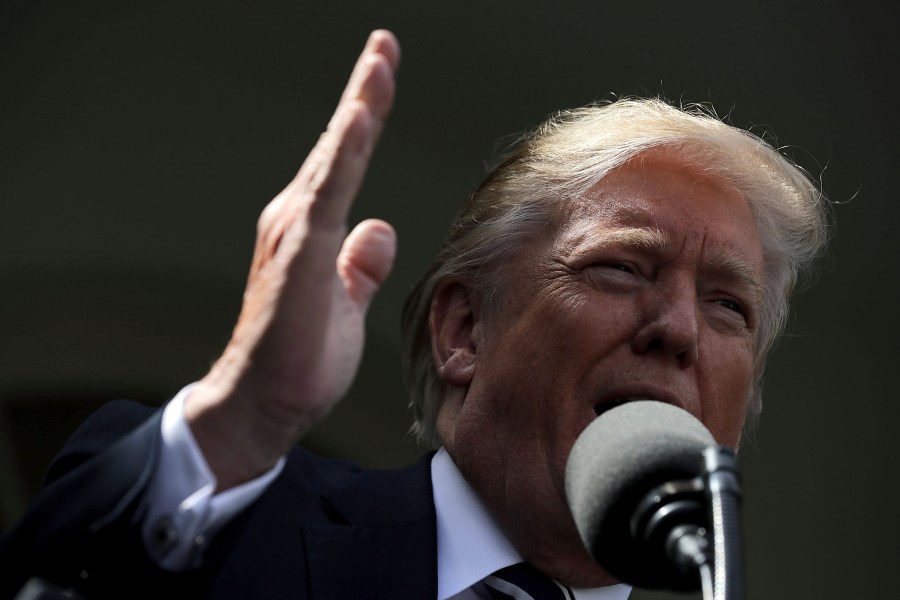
[670,325]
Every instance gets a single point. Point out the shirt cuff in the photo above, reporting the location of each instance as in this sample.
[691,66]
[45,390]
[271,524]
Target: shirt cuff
[182,510]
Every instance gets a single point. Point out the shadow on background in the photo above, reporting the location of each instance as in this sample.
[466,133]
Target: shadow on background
[139,141]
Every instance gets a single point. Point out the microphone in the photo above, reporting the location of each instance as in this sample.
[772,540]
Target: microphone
[634,482]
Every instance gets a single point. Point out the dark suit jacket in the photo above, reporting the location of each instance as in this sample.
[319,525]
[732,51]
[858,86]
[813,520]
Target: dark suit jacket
[324,529]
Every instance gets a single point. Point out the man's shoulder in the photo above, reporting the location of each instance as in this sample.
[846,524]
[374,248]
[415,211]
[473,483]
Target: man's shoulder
[376,497]
[109,424]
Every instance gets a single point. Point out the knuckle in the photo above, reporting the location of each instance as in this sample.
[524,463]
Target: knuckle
[269,215]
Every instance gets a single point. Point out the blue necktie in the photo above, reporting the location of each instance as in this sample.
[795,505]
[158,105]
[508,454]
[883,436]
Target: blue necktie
[524,582]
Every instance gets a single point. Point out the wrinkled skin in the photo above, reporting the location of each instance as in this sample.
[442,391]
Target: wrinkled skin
[650,288]
[598,311]
[299,337]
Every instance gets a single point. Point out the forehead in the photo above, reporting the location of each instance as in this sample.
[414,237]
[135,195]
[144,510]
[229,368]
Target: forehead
[657,203]
[651,181]
[656,189]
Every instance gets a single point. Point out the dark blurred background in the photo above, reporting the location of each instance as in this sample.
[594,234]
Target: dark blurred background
[140,140]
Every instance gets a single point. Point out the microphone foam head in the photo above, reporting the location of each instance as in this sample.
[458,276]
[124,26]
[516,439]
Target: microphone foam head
[621,456]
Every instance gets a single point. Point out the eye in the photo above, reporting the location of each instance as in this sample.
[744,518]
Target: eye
[731,305]
[729,314]
[624,267]
[616,276]
[623,272]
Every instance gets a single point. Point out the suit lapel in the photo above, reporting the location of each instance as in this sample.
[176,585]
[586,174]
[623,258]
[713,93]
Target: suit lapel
[381,541]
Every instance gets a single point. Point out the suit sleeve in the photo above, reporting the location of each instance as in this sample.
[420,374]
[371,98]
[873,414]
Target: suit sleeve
[183,511]
[83,528]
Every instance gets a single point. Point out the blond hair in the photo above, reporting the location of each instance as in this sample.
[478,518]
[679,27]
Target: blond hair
[563,159]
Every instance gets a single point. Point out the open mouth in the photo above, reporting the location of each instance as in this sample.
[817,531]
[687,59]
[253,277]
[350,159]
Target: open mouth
[603,407]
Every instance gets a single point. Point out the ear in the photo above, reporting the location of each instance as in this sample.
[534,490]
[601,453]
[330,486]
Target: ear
[454,327]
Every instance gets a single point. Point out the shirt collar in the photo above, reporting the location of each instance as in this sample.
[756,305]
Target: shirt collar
[470,545]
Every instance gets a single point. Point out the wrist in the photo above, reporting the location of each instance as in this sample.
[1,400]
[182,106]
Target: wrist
[239,435]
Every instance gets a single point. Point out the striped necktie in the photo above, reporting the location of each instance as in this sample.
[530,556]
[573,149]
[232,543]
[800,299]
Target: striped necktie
[524,582]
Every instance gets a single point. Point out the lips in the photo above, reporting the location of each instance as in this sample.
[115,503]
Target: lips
[601,408]
[617,397]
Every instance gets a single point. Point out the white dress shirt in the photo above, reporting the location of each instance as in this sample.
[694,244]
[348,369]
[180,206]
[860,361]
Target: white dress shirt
[471,545]
[183,510]
[183,513]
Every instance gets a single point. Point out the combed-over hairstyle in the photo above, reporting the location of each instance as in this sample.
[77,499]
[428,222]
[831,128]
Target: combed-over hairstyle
[562,160]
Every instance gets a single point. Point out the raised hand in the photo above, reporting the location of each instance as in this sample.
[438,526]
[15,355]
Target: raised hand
[299,337]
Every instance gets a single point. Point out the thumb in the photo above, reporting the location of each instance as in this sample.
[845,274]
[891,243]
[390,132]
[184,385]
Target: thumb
[366,258]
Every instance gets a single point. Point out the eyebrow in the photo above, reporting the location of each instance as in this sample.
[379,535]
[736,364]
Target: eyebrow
[721,257]
[725,258]
[638,238]
[644,238]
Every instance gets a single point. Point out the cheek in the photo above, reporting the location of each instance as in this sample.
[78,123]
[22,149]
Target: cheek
[729,433]
[726,418]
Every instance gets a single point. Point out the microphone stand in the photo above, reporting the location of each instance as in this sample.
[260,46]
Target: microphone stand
[657,502]
[724,579]
[681,515]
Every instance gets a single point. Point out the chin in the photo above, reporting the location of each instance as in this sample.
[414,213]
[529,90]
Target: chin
[574,568]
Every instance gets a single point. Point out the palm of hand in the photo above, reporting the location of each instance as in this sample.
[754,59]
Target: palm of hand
[299,337]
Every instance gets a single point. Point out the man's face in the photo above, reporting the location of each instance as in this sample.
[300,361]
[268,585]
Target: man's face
[649,288]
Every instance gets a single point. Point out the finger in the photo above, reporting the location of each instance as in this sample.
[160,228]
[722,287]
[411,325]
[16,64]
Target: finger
[382,51]
[335,168]
[371,84]
[345,156]
[366,258]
